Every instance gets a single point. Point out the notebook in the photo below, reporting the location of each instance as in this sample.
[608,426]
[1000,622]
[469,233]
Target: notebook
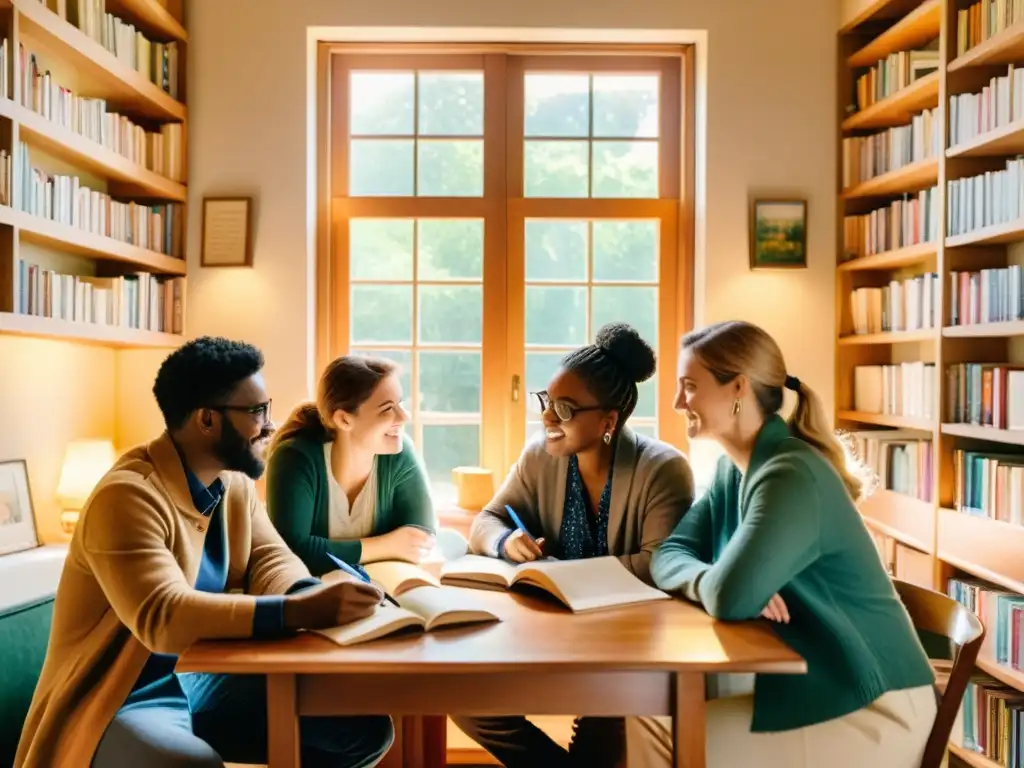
[590,584]
[425,607]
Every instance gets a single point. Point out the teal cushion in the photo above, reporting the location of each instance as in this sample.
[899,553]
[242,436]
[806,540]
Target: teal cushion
[24,633]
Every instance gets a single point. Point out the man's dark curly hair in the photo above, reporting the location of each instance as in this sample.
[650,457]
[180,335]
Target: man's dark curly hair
[202,373]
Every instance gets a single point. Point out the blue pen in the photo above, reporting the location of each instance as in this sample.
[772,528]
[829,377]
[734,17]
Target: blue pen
[518,522]
[354,572]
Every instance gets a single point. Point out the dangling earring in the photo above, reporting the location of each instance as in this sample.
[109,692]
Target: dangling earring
[736,408]
[608,437]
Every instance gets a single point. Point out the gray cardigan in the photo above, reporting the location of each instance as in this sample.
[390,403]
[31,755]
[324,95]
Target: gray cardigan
[652,487]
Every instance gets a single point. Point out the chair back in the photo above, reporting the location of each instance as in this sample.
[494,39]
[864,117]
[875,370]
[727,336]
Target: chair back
[941,615]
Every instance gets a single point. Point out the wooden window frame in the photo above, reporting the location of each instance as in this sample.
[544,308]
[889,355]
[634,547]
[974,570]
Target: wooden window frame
[504,208]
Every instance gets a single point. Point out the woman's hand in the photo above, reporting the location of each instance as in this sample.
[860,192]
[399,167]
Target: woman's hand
[408,543]
[520,548]
[776,610]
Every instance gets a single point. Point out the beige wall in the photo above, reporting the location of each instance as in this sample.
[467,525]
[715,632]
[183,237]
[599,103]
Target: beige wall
[770,129]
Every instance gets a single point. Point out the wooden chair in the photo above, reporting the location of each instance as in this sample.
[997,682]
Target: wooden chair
[941,615]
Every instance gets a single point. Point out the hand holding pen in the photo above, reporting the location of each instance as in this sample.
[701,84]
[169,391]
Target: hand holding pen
[360,575]
[520,546]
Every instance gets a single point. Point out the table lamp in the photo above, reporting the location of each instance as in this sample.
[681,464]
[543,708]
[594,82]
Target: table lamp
[85,462]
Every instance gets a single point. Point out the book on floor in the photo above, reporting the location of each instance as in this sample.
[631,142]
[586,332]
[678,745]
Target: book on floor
[397,576]
[425,607]
[582,585]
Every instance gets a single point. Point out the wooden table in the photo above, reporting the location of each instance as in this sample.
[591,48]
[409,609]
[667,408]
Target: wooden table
[541,660]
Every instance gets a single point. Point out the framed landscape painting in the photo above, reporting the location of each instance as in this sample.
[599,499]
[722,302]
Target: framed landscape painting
[17,518]
[778,234]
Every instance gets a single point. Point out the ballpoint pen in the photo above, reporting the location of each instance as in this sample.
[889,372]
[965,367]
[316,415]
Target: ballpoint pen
[353,572]
[518,522]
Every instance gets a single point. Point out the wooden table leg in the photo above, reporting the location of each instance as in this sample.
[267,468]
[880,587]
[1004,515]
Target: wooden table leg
[435,741]
[282,722]
[689,721]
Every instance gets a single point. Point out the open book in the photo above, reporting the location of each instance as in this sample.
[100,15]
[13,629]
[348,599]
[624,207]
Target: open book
[397,576]
[425,607]
[583,585]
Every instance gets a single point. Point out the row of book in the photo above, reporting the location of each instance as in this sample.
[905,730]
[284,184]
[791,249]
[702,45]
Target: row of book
[893,73]
[156,61]
[978,22]
[986,296]
[999,103]
[985,395]
[66,200]
[159,151]
[865,157]
[985,200]
[991,485]
[899,389]
[903,305]
[899,460]
[911,220]
[139,300]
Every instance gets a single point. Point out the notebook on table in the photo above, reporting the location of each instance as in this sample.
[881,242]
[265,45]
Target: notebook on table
[590,584]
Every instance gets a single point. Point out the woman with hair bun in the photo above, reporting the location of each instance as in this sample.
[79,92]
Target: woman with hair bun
[588,486]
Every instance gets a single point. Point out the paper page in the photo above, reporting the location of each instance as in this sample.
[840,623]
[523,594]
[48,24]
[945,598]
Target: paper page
[445,606]
[479,568]
[596,582]
[397,577]
[385,620]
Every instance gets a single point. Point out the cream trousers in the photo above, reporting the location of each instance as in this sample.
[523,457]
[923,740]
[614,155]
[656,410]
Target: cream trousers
[889,733]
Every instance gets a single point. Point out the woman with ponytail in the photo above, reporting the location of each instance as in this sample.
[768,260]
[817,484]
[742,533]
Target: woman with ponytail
[778,535]
[343,479]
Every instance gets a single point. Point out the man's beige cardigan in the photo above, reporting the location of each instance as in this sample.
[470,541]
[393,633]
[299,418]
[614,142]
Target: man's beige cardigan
[127,590]
[652,486]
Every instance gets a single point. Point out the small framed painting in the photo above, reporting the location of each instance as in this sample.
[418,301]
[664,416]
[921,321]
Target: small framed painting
[17,518]
[778,234]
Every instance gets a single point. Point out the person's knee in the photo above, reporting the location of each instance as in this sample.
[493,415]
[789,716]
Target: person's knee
[476,726]
[379,737]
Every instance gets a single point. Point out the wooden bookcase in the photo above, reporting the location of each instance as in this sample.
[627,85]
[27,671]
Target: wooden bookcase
[111,117]
[927,538]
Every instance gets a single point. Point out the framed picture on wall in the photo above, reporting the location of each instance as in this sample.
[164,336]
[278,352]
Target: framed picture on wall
[17,518]
[778,234]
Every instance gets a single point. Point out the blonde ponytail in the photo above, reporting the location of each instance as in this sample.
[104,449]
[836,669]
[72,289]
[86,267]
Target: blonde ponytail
[810,423]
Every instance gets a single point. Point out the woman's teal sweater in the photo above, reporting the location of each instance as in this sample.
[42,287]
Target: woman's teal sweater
[298,500]
[788,526]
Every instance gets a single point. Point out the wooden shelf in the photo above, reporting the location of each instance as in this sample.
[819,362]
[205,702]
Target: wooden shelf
[988,549]
[38,230]
[892,337]
[898,108]
[904,518]
[972,758]
[151,16]
[885,420]
[87,333]
[901,257]
[918,27]
[1006,47]
[999,234]
[991,434]
[984,330]
[1005,140]
[1006,675]
[124,88]
[909,178]
[88,155]
[879,11]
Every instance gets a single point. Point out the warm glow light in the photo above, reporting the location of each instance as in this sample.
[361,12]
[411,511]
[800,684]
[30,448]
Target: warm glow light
[85,462]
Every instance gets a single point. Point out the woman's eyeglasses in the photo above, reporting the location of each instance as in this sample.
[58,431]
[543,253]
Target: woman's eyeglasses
[563,409]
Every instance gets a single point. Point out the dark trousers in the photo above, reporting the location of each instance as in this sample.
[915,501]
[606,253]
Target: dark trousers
[213,719]
[597,742]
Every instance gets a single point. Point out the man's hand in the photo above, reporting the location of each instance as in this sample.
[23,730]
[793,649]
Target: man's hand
[331,605]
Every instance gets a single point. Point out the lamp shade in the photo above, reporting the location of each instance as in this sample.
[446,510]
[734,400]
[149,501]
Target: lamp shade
[85,462]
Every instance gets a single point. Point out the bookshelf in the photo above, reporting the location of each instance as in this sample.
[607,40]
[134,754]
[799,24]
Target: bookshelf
[93,181]
[930,312]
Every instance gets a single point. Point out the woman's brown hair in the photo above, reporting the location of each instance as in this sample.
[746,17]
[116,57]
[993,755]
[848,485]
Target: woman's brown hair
[732,348]
[346,383]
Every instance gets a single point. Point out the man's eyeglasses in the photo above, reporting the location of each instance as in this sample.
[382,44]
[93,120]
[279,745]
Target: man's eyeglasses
[260,410]
[563,410]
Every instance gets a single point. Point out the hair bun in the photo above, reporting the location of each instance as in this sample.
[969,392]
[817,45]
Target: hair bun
[629,351]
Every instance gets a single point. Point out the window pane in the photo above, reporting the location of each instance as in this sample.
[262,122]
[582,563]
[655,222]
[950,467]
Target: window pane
[555,168]
[650,430]
[636,306]
[451,314]
[626,106]
[533,428]
[451,248]
[451,168]
[380,249]
[557,105]
[446,447]
[556,316]
[556,250]
[625,169]
[450,382]
[381,103]
[404,359]
[626,250]
[647,400]
[380,167]
[540,367]
[451,104]
[381,313]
